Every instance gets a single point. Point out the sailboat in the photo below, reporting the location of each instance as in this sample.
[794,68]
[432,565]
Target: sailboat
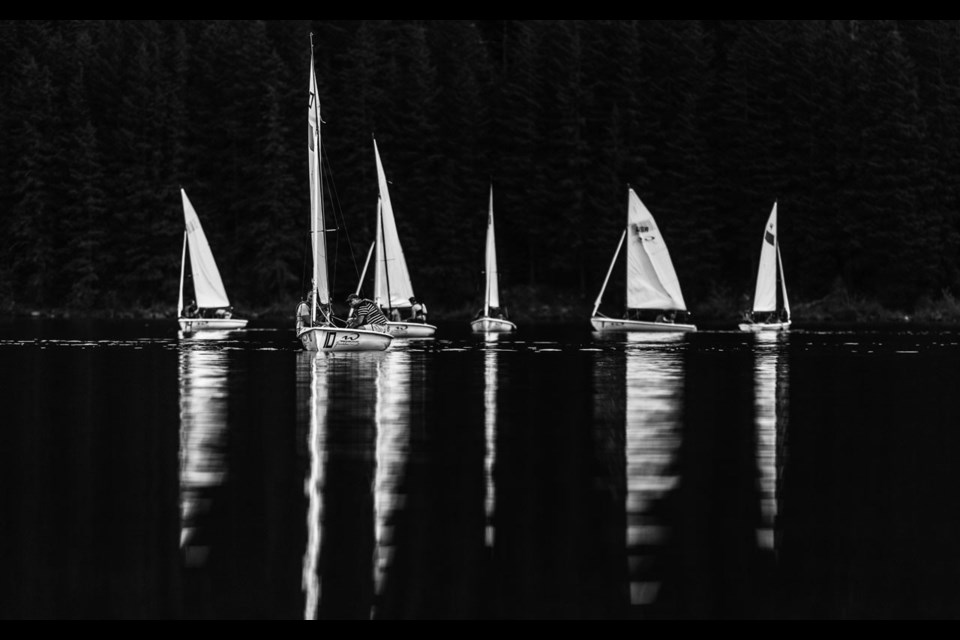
[392,288]
[493,319]
[769,313]
[652,285]
[318,332]
[210,309]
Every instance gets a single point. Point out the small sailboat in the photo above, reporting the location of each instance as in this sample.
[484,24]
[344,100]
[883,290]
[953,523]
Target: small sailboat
[392,288]
[315,326]
[653,292]
[770,313]
[210,309]
[494,318]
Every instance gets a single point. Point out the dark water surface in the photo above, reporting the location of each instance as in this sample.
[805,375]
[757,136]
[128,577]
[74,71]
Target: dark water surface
[555,474]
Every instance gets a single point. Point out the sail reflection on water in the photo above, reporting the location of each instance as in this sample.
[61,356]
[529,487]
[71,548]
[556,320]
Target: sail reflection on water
[490,432]
[771,382]
[356,410]
[203,425]
[393,448]
[313,366]
[654,396]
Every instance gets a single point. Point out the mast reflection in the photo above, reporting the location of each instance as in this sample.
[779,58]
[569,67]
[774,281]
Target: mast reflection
[771,381]
[654,396]
[203,423]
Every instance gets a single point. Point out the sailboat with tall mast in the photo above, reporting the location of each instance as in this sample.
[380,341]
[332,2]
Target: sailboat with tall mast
[318,332]
[494,317]
[210,309]
[770,312]
[654,299]
[392,287]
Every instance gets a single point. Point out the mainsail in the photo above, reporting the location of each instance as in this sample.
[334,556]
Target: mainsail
[207,284]
[651,279]
[765,298]
[493,284]
[317,229]
[392,286]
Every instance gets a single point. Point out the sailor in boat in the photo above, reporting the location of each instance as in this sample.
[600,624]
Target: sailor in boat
[191,310]
[498,313]
[365,315]
[418,312]
[667,318]
[303,313]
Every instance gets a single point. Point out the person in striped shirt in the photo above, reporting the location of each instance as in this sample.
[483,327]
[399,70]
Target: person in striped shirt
[365,315]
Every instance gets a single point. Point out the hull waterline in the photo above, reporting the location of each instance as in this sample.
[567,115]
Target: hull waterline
[620,325]
[194,325]
[492,325]
[335,339]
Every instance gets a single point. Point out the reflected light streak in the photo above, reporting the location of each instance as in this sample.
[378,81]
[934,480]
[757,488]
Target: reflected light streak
[768,387]
[203,422]
[393,444]
[490,438]
[313,487]
[654,386]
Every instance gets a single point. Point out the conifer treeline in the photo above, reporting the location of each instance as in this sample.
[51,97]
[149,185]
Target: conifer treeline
[852,125]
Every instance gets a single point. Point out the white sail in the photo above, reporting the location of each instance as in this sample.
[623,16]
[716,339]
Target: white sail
[493,285]
[651,279]
[783,283]
[392,287]
[317,229]
[207,284]
[765,298]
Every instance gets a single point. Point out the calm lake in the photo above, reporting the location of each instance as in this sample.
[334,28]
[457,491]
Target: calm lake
[555,474]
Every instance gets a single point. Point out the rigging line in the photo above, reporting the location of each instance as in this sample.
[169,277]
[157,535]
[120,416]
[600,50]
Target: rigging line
[338,209]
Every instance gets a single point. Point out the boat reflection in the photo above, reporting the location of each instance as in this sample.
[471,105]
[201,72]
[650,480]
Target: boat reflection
[356,408]
[203,425]
[654,396]
[771,381]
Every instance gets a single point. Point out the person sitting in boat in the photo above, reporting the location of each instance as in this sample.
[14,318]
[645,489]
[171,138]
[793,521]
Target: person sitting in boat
[191,311]
[365,315]
[224,314]
[303,315]
[669,317]
[418,311]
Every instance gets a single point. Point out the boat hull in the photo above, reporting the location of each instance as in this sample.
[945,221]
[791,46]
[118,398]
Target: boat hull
[335,339]
[622,325]
[194,325]
[492,325]
[764,327]
[411,330]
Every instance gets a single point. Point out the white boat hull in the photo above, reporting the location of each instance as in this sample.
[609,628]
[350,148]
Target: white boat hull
[492,325]
[622,325]
[193,325]
[763,327]
[411,330]
[335,339]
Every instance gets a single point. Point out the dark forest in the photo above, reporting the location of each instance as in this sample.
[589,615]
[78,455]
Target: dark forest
[852,126]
